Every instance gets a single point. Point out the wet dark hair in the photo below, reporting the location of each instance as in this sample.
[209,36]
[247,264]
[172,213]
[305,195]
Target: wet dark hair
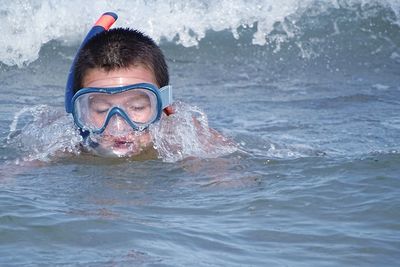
[120,48]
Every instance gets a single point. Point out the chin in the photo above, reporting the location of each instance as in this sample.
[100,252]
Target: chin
[126,150]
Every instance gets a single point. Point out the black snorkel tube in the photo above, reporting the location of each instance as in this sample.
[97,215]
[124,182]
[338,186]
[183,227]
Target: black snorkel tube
[102,24]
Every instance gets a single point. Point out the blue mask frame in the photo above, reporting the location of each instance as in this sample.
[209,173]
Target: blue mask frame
[163,95]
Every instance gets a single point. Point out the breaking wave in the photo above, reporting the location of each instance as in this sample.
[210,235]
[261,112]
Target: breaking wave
[304,24]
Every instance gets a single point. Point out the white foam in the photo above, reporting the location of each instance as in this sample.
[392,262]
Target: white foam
[27,25]
[187,134]
[48,132]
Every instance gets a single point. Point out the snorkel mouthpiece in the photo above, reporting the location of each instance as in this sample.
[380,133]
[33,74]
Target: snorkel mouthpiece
[104,23]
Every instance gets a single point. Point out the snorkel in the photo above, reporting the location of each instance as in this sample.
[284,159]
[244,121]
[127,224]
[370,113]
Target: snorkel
[104,23]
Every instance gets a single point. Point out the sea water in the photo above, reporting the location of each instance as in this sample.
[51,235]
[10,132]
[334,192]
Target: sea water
[305,93]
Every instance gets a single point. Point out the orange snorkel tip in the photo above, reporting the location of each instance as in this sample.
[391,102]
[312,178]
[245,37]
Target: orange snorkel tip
[106,20]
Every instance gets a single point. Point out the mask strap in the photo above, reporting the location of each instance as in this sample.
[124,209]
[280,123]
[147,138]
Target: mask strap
[166,96]
[166,99]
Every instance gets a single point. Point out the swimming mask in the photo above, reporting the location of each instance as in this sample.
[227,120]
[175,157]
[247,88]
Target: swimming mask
[137,105]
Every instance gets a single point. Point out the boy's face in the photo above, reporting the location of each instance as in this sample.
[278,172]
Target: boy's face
[119,137]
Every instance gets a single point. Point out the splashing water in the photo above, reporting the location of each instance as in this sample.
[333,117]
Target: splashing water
[47,134]
[31,24]
[187,134]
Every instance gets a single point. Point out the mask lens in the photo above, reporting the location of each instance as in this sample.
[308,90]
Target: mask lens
[93,110]
[140,106]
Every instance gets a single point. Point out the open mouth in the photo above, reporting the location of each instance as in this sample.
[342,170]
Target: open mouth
[122,143]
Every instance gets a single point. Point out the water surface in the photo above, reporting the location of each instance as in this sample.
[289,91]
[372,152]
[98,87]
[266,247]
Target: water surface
[308,90]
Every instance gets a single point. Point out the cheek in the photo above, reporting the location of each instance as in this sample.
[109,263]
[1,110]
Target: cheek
[97,120]
[143,118]
[145,138]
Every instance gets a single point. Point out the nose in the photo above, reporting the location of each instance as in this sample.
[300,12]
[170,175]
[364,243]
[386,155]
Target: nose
[117,126]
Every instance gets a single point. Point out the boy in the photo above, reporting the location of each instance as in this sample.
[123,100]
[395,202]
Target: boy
[118,87]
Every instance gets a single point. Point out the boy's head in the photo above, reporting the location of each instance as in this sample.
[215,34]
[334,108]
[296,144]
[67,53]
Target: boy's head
[120,87]
[120,49]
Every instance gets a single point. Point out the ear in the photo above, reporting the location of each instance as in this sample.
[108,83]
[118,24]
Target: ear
[169,110]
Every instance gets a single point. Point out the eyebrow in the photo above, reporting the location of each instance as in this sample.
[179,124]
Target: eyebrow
[104,99]
[98,99]
[138,98]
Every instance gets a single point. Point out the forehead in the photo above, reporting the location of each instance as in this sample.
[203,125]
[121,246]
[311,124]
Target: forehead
[101,78]
[127,96]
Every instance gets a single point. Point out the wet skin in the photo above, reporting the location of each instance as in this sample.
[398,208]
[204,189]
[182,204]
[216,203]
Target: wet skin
[119,137]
